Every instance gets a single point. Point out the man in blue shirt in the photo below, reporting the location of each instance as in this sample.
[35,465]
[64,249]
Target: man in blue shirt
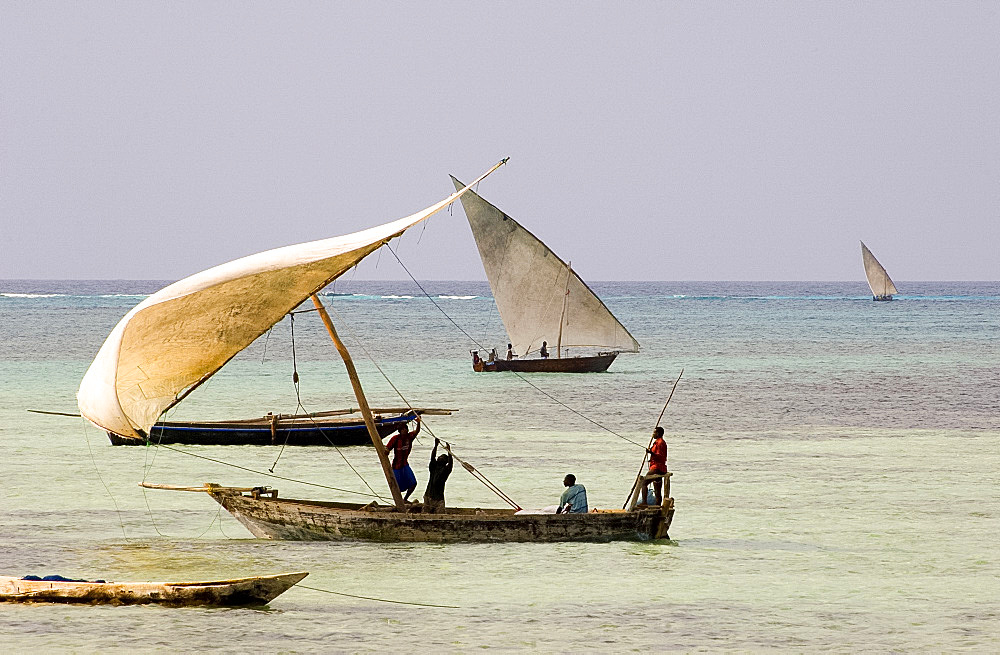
[574,499]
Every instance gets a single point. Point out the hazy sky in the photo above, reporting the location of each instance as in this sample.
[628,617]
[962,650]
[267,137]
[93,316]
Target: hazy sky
[656,141]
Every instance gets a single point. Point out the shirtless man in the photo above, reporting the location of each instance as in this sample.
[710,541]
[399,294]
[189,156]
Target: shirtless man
[439,469]
[401,444]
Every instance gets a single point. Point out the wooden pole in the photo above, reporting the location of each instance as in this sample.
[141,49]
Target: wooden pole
[366,411]
[634,494]
[562,315]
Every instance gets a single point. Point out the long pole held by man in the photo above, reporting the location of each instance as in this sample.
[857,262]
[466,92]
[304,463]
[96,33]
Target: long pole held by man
[633,493]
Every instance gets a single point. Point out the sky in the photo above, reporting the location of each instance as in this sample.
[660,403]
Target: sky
[647,140]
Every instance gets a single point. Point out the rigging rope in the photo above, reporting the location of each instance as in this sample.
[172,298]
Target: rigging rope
[468,467]
[482,478]
[268,475]
[298,398]
[101,478]
[266,339]
[424,291]
[519,376]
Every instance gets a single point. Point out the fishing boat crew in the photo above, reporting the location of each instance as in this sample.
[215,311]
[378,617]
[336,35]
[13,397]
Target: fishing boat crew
[439,469]
[401,444]
[574,499]
[657,466]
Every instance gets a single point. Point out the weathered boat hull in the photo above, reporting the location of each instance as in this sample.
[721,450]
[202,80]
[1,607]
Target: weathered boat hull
[274,518]
[258,590]
[593,364]
[318,433]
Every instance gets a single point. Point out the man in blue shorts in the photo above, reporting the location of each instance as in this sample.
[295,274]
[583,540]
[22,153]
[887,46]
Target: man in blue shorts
[401,444]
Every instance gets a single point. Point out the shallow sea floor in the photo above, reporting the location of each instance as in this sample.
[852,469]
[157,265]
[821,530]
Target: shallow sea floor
[835,473]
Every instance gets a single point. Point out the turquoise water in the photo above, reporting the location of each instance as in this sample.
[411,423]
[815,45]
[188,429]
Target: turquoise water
[835,472]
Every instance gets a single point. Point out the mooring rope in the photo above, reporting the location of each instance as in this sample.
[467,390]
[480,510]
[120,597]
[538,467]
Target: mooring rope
[380,600]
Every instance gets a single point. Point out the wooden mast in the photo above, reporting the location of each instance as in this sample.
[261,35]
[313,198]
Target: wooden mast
[562,316]
[366,411]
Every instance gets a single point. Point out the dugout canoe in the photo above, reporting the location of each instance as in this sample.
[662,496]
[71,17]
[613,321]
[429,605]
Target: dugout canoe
[254,591]
[267,516]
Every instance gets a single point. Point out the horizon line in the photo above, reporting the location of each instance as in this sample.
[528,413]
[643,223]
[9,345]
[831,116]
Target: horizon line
[169,280]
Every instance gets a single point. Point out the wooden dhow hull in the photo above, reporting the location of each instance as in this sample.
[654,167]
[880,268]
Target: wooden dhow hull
[593,364]
[258,590]
[321,433]
[280,518]
[330,428]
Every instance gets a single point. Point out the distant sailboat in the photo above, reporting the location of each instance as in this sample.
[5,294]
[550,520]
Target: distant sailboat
[878,280]
[542,302]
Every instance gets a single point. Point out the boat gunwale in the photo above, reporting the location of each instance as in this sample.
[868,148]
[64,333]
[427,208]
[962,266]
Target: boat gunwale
[356,510]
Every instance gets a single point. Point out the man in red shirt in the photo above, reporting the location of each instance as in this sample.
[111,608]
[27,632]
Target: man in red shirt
[657,465]
[400,445]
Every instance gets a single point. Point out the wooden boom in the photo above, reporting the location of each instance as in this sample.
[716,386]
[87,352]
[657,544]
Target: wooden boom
[366,411]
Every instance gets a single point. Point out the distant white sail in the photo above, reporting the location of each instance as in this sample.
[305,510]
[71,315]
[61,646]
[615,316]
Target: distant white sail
[184,333]
[537,293]
[878,279]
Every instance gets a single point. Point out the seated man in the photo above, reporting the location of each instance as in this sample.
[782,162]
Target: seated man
[574,499]
[440,469]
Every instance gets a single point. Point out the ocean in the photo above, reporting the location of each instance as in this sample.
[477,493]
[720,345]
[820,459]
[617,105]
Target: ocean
[836,473]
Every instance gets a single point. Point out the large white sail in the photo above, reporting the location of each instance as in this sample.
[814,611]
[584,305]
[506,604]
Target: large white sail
[187,331]
[537,293]
[878,279]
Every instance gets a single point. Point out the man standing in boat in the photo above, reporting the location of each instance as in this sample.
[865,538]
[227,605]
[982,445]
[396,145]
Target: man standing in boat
[440,469]
[543,351]
[657,466]
[510,352]
[401,444]
[574,499]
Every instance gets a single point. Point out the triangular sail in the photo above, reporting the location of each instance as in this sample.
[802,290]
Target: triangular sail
[530,285]
[878,279]
[184,333]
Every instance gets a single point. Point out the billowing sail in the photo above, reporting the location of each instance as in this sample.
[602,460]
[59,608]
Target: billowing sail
[537,293]
[187,331]
[878,279]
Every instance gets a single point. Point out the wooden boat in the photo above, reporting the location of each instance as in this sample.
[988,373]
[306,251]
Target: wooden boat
[592,364]
[542,302]
[258,590]
[878,280]
[329,428]
[267,516]
[181,335]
